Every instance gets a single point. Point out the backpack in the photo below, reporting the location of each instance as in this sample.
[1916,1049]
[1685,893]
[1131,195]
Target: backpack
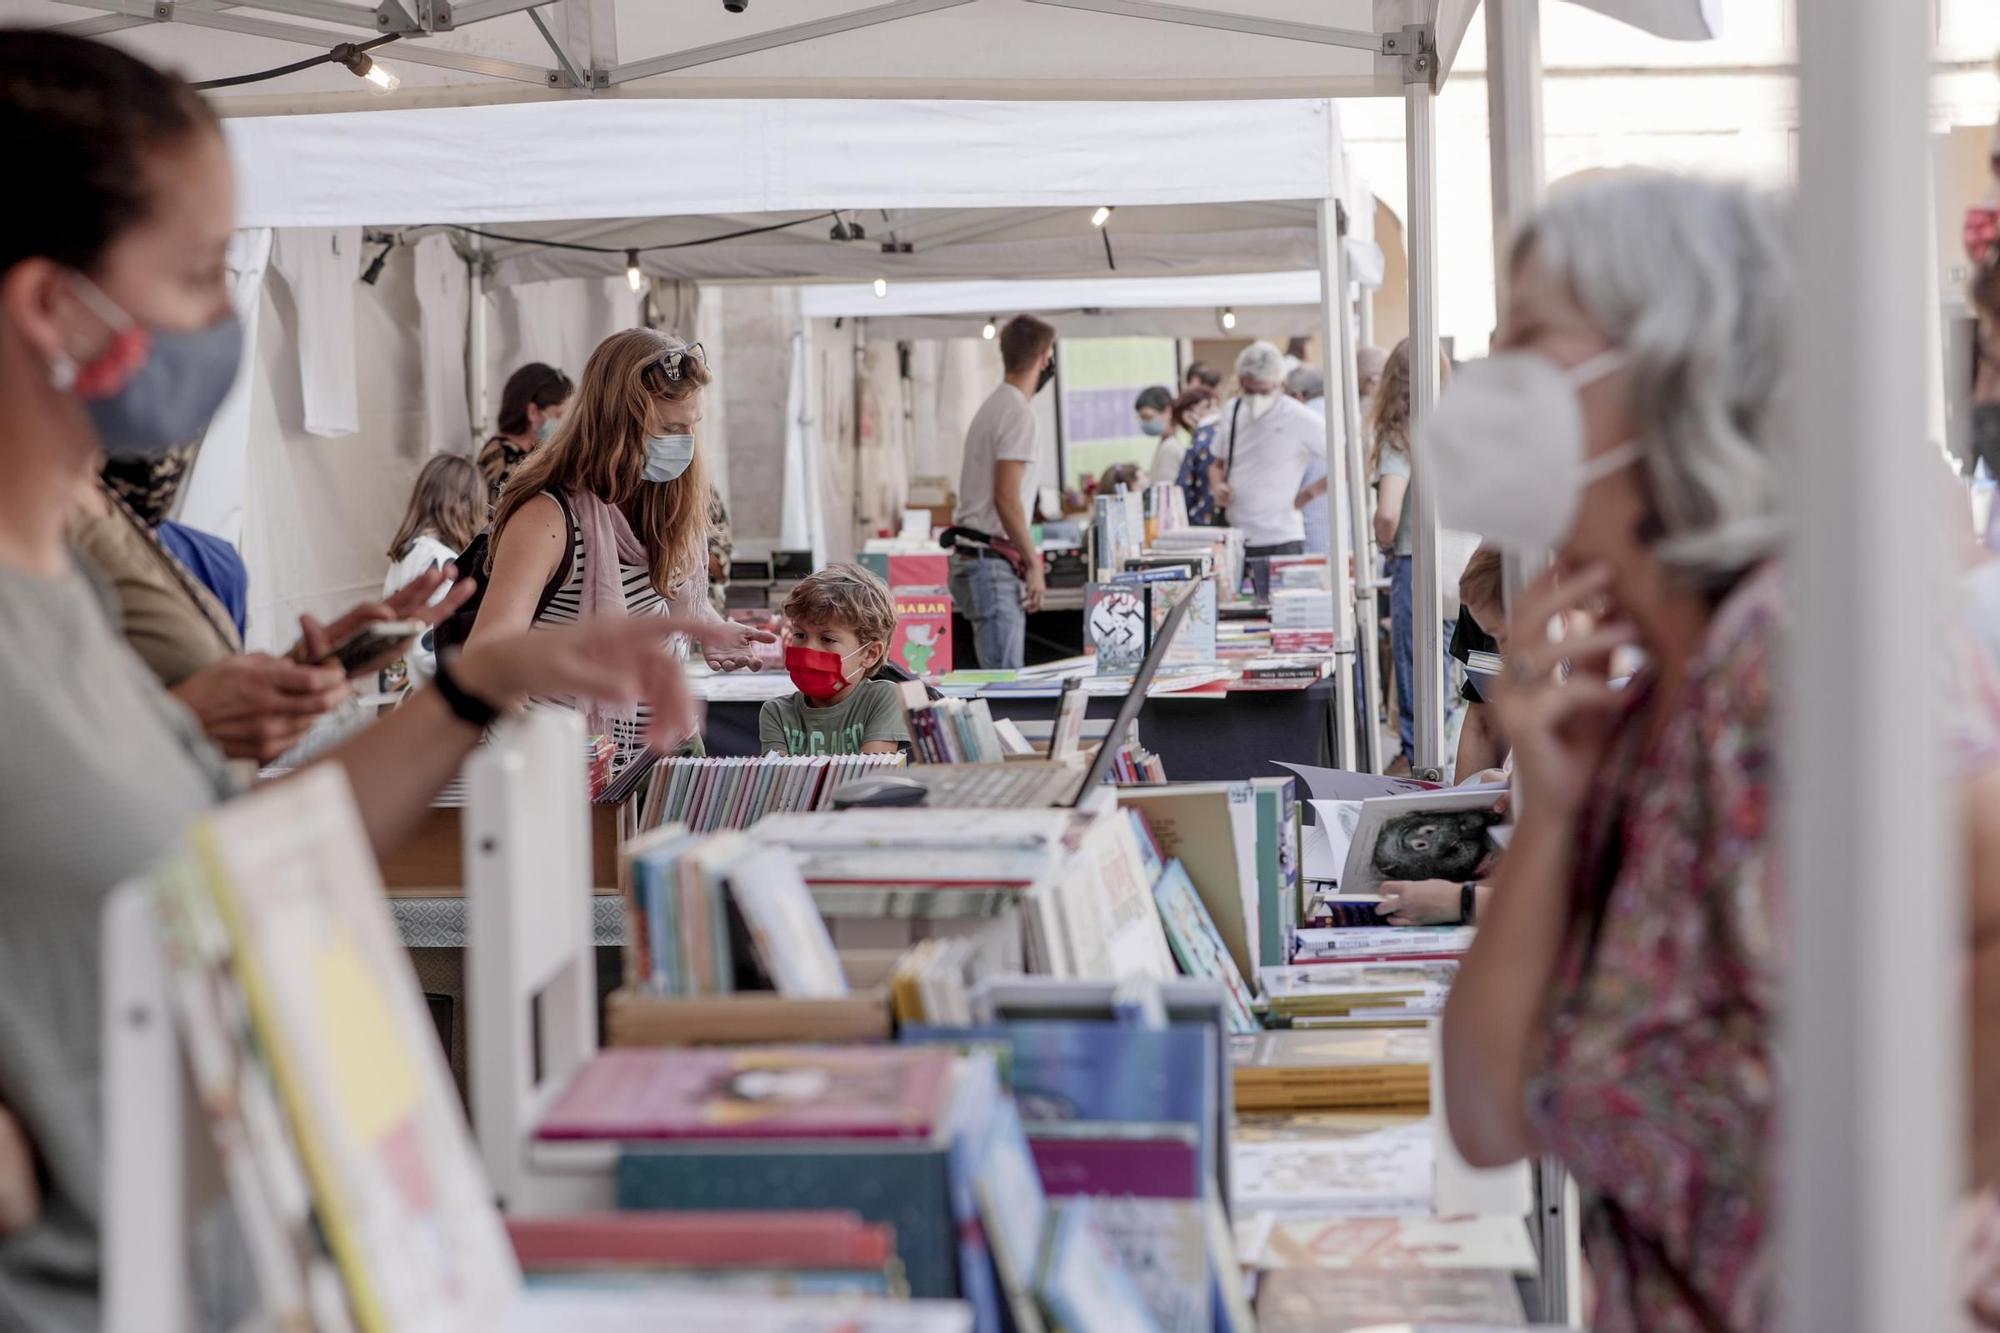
[476,560]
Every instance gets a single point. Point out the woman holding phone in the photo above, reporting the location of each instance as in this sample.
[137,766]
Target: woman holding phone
[117,335]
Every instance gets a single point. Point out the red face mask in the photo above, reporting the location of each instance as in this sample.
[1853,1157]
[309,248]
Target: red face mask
[818,673]
[1982,233]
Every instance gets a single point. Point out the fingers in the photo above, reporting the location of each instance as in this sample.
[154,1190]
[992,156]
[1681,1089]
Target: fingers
[414,597]
[1591,652]
[315,641]
[1554,592]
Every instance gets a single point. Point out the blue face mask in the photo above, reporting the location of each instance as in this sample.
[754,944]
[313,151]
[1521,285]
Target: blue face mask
[1154,426]
[667,456]
[547,430]
[170,399]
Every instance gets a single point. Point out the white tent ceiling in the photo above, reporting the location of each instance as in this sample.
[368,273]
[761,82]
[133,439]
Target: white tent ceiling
[999,49]
[941,188]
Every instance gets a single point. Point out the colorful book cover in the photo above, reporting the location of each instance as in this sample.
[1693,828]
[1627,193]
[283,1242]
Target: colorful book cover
[769,1093]
[1118,1157]
[1197,947]
[1277,868]
[922,641]
[1015,1215]
[1194,641]
[1115,626]
[1085,1285]
[396,1183]
[901,569]
[906,1185]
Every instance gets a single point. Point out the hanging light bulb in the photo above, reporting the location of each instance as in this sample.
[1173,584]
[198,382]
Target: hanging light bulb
[632,274]
[361,65]
[990,332]
[1101,216]
[1228,318]
[881,286]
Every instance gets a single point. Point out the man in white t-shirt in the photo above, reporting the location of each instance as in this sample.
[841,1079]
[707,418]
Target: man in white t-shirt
[996,498]
[1263,443]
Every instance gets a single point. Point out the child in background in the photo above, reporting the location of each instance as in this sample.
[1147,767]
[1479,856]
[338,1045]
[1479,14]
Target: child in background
[838,623]
[447,508]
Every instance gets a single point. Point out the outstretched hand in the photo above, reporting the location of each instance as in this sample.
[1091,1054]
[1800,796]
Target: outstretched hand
[609,659]
[413,601]
[731,651]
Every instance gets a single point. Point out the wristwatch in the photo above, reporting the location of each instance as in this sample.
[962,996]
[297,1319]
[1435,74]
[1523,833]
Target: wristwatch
[467,707]
[1468,903]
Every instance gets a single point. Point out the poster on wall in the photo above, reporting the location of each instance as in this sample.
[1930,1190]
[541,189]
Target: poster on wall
[1100,379]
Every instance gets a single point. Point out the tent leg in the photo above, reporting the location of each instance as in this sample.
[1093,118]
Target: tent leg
[1874,1040]
[475,339]
[1514,119]
[1337,336]
[1420,125]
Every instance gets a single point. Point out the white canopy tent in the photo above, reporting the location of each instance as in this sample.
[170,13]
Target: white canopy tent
[941,189]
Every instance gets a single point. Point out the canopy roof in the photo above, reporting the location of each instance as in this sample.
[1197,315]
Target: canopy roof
[751,192]
[503,50]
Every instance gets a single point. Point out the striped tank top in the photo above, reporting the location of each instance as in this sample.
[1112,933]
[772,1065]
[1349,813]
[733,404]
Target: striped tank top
[641,599]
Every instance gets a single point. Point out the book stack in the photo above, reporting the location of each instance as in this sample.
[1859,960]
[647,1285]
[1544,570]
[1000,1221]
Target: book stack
[1301,621]
[1351,1069]
[1357,994]
[1125,1117]
[1224,547]
[890,1133]
[1117,530]
[1293,1300]
[689,900]
[1239,842]
[1378,943]
[1166,506]
[1296,672]
[827,1253]
[706,795]
[951,731]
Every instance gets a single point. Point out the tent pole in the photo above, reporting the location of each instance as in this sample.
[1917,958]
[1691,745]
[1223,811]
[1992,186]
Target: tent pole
[1420,130]
[1337,337]
[1514,119]
[1874,1042]
[475,338]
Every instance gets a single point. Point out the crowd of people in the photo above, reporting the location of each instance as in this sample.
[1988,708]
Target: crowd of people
[1618,1008]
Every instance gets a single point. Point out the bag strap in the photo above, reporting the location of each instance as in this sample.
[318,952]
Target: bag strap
[566,566]
[1234,413]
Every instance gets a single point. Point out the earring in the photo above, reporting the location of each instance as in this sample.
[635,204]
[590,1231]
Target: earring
[62,372]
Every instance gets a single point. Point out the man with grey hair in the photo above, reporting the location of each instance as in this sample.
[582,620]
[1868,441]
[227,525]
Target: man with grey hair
[1263,444]
[1307,384]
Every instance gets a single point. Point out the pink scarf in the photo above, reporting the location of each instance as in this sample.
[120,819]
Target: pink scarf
[608,544]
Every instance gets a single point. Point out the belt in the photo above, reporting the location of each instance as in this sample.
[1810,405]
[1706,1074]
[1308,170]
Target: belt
[977,553]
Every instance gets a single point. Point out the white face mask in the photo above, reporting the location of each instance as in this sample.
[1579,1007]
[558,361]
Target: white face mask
[1504,451]
[1259,404]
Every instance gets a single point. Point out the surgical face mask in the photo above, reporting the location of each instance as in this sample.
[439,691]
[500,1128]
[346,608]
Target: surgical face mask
[1504,451]
[151,390]
[818,672]
[547,430]
[1259,404]
[667,456]
[1154,426]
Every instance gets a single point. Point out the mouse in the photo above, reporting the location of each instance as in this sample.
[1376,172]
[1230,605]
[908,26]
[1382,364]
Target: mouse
[878,793]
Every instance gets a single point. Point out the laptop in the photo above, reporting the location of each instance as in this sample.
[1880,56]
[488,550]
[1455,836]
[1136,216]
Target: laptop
[1031,786]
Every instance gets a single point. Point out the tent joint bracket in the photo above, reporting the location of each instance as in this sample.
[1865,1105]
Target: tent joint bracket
[1416,47]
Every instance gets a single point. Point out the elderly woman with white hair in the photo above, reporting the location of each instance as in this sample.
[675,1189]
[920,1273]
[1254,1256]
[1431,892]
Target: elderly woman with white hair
[1618,1008]
[1263,442]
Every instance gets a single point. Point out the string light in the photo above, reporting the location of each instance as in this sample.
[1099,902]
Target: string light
[386,80]
[1101,216]
[363,66]
[632,274]
[1228,318]
[881,287]
[990,332]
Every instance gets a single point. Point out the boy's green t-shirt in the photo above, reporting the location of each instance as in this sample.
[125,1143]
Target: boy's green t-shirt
[871,713]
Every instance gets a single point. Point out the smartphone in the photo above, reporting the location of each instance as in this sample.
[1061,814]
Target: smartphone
[371,641]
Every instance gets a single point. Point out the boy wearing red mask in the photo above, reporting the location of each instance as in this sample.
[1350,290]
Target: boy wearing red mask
[838,624]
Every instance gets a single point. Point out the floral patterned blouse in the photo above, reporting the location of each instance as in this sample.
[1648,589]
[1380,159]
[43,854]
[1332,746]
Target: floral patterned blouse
[1654,1083]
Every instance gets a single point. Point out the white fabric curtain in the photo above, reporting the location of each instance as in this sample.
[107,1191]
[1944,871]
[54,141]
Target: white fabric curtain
[213,497]
[319,266]
[799,528]
[443,300]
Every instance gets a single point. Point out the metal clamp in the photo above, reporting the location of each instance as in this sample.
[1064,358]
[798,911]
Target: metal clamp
[414,17]
[1416,47]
